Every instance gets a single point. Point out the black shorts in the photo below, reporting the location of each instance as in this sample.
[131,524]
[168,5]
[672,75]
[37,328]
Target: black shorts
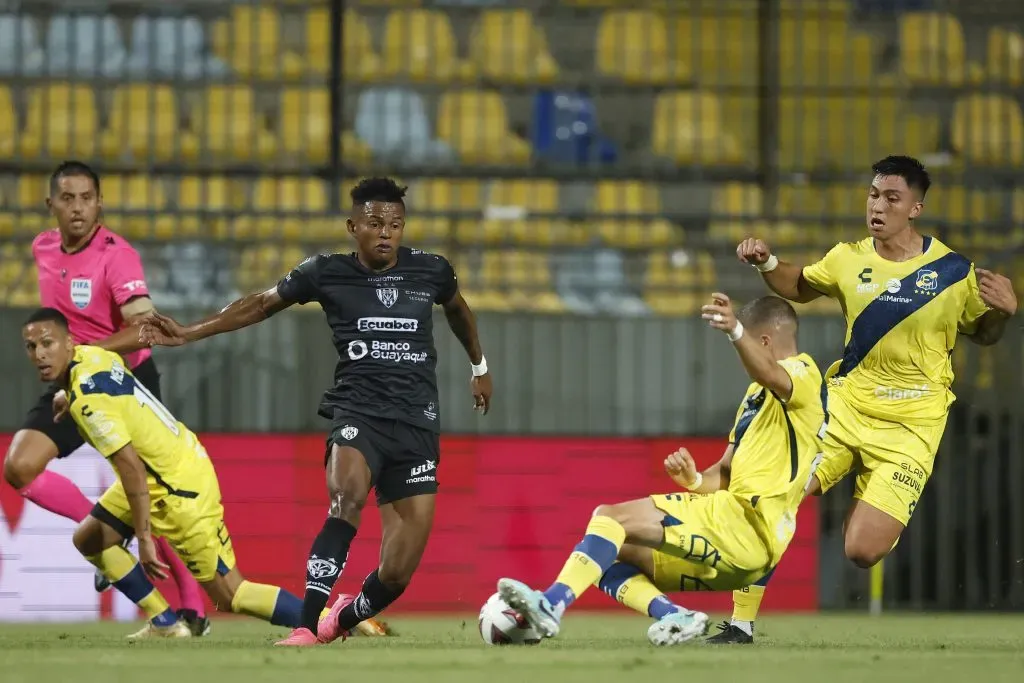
[403,459]
[65,433]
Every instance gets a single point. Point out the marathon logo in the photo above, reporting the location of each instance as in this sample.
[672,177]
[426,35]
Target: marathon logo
[388,324]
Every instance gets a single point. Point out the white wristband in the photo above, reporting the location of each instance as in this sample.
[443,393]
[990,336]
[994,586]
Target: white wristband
[696,482]
[768,266]
[480,368]
[736,333]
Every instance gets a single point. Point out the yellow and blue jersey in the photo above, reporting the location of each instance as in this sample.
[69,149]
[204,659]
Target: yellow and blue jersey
[902,321]
[112,409]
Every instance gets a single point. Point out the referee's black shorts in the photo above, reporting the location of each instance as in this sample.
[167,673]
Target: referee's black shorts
[65,433]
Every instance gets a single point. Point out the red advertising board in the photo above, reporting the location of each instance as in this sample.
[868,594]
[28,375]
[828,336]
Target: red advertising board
[507,507]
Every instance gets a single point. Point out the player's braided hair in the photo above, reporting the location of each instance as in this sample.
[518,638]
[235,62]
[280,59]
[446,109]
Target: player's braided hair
[908,168]
[768,311]
[73,168]
[378,190]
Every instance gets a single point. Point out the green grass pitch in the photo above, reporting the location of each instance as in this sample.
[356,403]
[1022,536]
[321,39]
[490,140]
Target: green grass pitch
[827,648]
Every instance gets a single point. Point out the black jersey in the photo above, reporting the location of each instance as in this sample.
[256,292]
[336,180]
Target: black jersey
[383,331]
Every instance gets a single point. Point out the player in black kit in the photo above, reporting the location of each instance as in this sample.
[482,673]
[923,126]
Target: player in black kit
[385,419]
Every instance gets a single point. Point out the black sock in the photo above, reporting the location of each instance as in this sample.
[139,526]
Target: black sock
[371,601]
[326,562]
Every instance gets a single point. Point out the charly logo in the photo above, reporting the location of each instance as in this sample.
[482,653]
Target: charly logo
[388,296]
[81,292]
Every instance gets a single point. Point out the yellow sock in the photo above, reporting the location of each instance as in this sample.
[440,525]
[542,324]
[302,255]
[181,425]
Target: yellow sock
[126,575]
[266,602]
[630,587]
[746,602]
[589,561]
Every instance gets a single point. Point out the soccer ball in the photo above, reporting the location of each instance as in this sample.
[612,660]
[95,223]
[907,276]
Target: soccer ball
[502,625]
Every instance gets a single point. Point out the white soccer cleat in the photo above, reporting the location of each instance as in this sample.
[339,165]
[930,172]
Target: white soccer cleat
[531,604]
[178,629]
[678,627]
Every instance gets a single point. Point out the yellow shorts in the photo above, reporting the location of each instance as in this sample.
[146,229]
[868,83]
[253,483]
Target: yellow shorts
[193,526]
[893,460]
[712,543]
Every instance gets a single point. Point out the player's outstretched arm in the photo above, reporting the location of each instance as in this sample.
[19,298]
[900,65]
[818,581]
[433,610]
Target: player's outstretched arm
[132,473]
[997,293]
[127,340]
[163,330]
[463,325]
[785,279]
[758,362]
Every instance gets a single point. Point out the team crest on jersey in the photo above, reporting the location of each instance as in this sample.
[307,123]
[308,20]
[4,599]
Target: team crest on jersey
[388,296]
[927,280]
[349,432]
[81,292]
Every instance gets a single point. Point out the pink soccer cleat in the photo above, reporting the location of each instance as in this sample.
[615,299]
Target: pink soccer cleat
[327,628]
[300,637]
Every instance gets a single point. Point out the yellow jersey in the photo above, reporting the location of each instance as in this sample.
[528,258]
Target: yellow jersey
[775,443]
[112,409]
[902,319]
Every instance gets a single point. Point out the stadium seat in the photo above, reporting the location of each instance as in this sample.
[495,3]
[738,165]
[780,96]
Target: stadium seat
[420,45]
[304,124]
[20,52]
[262,264]
[632,197]
[359,60]
[475,124]
[565,130]
[250,42]
[988,130]
[688,129]
[291,209]
[632,45]
[30,202]
[134,206]
[204,203]
[524,277]
[737,209]
[823,51]
[394,123]
[678,282]
[172,47]
[536,195]
[932,50]
[8,122]
[85,46]
[718,47]
[966,211]
[61,122]
[508,46]
[225,124]
[18,276]
[142,124]
[1005,56]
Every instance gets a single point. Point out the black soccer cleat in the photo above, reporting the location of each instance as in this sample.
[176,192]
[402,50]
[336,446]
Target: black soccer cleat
[199,626]
[730,635]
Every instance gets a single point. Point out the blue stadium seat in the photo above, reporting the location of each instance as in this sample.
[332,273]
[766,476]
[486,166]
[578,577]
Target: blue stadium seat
[393,121]
[172,48]
[85,46]
[19,46]
[565,130]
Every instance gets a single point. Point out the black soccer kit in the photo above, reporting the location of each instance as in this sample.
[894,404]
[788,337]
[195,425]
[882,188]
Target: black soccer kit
[384,401]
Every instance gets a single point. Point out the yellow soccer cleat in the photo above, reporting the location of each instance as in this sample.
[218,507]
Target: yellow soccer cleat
[178,629]
[372,628]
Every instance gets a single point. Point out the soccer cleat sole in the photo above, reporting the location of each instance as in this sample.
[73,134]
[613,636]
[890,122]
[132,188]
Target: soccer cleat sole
[514,595]
[669,632]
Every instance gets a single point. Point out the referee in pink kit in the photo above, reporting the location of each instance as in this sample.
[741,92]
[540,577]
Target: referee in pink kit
[95,278]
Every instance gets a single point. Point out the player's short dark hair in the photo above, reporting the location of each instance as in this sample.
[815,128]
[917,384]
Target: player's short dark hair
[908,168]
[768,311]
[44,315]
[73,168]
[378,190]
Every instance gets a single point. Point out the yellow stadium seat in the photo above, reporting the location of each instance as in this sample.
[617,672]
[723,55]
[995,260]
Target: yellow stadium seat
[957,204]
[251,43]
[472,273]
[541,233]
[736,212]
[688,129]
[133,205]
[261,266]
[143,123]
[475,124]
[988,130]
[678,282]
[632,45]
[508,46]
[304,124]
[719,47]
[1005,56]
[427,231]
[290,209]
[420,45]
[442,194]
[19,280]
[8,220]
[8,122]
[203,204]
[226,124]
[61,122]
[537,196]
[30,201]
[524,277]
[632,197]
[353,150]
[823,51]
[932,50]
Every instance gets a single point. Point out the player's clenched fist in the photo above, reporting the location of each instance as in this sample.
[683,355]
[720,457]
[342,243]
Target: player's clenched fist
[753,251]
[681,468]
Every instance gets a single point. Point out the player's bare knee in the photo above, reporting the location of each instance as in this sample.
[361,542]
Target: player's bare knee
[347,505]
[615,512]
[18,469]
[86,540]
[864,555]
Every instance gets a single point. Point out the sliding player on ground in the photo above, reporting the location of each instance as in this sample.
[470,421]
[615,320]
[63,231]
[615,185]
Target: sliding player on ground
[734,524]
[95,278]
[906,297]
[384,408]
[166,485]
